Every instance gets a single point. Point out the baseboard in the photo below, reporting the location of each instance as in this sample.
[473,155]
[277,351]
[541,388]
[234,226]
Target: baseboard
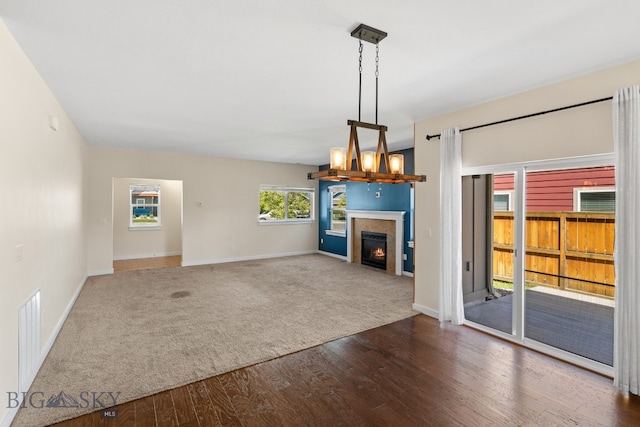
[61,321]
[12,412]
[425,310]
[247,258]
[407,273]
[341,257]
[101,272]
[140,256]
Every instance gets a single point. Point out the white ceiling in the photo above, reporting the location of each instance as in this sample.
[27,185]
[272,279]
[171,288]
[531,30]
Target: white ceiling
[277,80]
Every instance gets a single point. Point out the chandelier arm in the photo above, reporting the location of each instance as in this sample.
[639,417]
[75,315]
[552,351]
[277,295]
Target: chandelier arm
[357,146]
[381,151]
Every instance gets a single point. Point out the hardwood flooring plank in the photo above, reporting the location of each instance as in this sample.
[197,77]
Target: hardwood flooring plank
[126,415]
[203,407]
[328,400]
[145,412]
[185,412]
[165,411]
[287,414]
[222,404]
[252,406]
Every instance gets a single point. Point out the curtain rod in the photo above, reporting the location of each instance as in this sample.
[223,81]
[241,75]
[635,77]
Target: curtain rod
[528,116]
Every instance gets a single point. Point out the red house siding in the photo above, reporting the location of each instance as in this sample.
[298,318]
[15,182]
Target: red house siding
[553,190]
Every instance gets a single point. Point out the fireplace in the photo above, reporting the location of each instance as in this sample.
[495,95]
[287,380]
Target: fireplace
[374,249]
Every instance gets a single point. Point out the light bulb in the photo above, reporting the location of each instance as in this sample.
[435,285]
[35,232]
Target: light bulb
[396,163]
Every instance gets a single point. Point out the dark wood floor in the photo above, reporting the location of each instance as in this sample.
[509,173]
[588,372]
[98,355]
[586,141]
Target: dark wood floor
[412,372]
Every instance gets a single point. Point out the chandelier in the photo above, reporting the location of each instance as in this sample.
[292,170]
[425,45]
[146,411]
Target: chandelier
[367,164]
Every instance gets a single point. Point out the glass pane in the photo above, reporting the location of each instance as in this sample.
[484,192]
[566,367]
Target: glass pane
[338,211]
[501,202]
[271,205]
[598,201]
[144,194]
[569,275]
[298,204]
[491,303]
[145,215]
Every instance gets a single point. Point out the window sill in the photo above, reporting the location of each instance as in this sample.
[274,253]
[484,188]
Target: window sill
[144,227]
[285,221]
[337,233]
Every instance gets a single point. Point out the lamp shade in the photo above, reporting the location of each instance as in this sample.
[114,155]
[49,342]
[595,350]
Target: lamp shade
[396,163]
[368,159]
[338,159]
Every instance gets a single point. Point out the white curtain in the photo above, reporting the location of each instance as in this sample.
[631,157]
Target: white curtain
[451,305]
[626,136]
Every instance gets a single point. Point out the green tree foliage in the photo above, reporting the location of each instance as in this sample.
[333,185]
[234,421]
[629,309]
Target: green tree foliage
[273,202]
[299,205]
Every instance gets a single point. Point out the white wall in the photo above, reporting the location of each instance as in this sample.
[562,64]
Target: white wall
[581,131]
[224,228]
[147,243]
[41,184]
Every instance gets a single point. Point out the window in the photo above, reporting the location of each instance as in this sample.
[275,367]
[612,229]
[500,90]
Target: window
[285,204]
[144,206]
[338,210]
[502,201]
[596,199]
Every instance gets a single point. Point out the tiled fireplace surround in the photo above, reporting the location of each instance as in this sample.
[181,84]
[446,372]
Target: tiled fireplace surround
[389,222]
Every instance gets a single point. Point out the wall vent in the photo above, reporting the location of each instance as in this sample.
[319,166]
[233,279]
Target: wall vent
[29,341]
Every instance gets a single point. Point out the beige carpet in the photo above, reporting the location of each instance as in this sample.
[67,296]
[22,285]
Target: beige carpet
[140,332]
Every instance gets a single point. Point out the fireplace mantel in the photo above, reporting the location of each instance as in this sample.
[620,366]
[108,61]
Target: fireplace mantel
[397,216]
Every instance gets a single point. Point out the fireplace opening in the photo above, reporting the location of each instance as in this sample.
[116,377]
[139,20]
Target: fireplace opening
[374,249]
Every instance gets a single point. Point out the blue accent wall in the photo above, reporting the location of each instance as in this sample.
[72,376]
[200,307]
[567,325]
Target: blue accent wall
[362,196]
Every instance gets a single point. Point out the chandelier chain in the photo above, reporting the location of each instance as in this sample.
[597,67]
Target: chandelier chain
[377,73]
[360,83]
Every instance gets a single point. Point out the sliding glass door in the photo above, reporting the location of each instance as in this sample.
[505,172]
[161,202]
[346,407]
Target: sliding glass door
[544,243]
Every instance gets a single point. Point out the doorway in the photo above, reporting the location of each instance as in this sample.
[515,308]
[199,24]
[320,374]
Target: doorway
[147,223]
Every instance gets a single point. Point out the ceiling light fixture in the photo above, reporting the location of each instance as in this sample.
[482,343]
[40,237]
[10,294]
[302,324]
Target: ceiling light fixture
[368,163]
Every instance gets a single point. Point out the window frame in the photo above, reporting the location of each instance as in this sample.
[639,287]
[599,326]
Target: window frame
[578,191]
[333,190]
[145,226]
[287,190]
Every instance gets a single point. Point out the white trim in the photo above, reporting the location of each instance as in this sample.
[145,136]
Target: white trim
[337,233]
[247,258]
[141,256]
[397,216]
[425,310]
[286,221]
[62,319]
[407,273]
[144,227]
[539,165]
[100,272]
[12,412]
[341,257]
